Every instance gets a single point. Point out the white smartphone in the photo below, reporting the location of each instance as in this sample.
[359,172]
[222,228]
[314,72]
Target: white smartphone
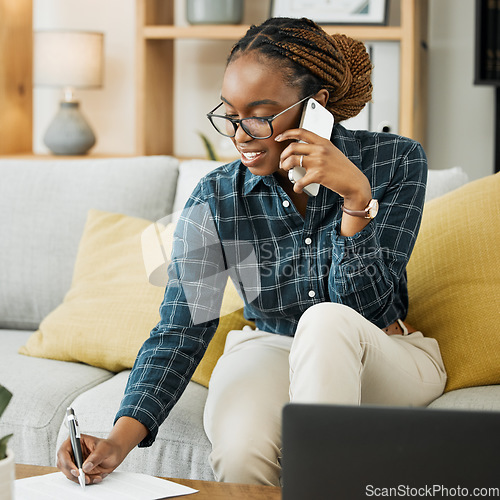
[315,118]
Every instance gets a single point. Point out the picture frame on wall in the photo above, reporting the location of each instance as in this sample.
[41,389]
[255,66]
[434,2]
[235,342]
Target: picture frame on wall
[374,12]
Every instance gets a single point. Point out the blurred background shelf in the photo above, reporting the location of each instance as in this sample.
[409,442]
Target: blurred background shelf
[155,70]
[157,34]
[234,32]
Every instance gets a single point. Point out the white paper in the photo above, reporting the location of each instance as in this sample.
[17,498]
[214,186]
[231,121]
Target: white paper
[117,486]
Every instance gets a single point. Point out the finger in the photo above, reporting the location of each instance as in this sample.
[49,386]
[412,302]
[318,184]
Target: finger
[299,186]
[92,462]
[65,461]
[292,162]
[93,473]
[299,134]
[92,459]
[296,150]
[301,182]
[100,461]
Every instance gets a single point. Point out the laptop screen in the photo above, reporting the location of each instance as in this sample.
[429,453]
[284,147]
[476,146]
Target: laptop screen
[351,452]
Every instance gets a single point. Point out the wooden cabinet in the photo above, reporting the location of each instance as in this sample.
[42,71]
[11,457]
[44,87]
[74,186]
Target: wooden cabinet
[16,99]
[156,35]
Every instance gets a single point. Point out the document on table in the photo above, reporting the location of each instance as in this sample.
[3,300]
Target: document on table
[117,486]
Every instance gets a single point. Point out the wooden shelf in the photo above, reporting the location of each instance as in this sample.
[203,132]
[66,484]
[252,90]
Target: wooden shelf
[29,155]
[234,32]
[157,34]
[207,32]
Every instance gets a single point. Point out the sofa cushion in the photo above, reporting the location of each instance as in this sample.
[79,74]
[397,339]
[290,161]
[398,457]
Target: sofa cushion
[181,448]
[454,281]
[190,172]
[231,319]
[471,398]
[442,181]
[110,308]
[42,390]
[111,304]
[43,207]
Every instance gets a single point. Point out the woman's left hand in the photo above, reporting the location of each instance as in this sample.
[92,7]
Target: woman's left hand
[324,164]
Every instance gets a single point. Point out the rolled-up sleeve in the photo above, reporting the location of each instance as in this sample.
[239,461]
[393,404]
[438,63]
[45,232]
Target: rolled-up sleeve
[368,269]
[188,320]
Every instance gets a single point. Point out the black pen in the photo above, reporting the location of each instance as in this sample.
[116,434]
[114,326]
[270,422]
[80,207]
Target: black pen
[74,434]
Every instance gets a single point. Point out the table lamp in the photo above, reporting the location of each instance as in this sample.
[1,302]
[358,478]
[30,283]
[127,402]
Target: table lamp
[69,60]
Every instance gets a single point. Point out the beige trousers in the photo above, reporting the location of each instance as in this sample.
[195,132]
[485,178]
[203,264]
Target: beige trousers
[336,357]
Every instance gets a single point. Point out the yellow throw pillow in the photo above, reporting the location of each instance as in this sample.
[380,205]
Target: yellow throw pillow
[111,307]
[454,281]
[229,321]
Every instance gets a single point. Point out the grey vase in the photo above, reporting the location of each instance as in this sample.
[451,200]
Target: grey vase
[69,133]
[214,11]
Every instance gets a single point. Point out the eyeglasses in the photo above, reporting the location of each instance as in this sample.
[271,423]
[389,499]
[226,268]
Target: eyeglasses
[255,127]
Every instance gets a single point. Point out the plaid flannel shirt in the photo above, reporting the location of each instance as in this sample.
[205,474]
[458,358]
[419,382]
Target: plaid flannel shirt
[244,226]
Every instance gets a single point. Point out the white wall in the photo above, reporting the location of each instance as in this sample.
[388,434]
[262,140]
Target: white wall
[460,115]
[198,82]
[111,110]
[198,79]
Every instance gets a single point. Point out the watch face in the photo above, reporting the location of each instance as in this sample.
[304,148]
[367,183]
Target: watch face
[373,209]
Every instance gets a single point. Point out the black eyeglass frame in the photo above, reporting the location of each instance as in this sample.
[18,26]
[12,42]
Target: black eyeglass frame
[241,121]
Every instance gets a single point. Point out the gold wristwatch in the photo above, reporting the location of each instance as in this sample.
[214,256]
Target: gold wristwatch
[369,212]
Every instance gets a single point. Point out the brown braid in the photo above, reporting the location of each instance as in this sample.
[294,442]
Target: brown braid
[314,60]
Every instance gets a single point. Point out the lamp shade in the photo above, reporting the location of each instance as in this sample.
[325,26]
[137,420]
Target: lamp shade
[68,59]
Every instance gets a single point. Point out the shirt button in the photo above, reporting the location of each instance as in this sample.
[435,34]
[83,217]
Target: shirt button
[308,241]
[286,203]
[311,293]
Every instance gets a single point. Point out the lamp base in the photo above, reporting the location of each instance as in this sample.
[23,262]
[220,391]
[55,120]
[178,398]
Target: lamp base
[69,133]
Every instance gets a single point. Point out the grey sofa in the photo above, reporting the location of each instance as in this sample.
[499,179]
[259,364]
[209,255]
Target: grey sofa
[43,207]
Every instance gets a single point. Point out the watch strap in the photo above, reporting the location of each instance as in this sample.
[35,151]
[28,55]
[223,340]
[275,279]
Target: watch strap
[354,213]
[360,213]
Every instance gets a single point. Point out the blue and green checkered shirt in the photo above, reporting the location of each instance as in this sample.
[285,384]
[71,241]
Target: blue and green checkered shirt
[245,227]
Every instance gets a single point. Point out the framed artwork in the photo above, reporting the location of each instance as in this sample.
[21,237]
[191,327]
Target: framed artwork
[333,11]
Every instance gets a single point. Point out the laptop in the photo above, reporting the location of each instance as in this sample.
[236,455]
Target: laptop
[357,452]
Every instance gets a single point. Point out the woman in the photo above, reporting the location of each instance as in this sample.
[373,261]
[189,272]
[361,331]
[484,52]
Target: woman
[323,277]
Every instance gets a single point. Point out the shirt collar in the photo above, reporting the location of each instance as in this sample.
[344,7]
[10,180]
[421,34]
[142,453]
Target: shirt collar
[346,142]
[252,180]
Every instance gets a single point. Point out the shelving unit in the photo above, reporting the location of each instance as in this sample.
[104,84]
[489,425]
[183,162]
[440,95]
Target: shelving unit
[156,36]
[232,32]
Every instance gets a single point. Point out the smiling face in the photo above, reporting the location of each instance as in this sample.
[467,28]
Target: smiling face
[254,86]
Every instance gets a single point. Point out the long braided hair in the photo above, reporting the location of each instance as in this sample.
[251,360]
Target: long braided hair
[312,59]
